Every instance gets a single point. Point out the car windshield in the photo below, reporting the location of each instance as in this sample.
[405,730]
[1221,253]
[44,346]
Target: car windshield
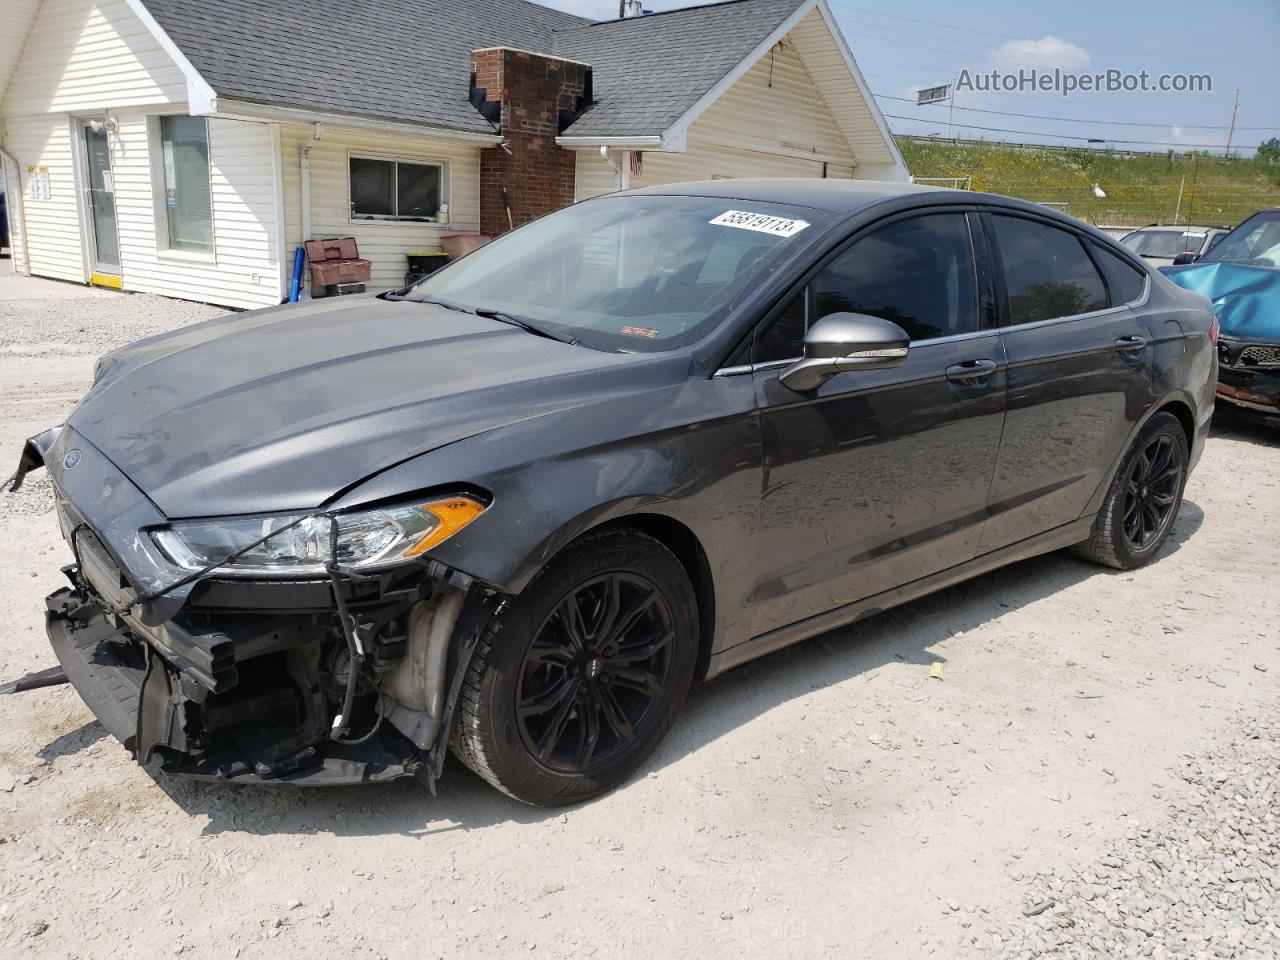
[1256,242]
[627,273]
[1162,243]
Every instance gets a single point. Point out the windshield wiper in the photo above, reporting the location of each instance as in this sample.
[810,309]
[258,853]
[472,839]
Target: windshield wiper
[499,315]
[523,324]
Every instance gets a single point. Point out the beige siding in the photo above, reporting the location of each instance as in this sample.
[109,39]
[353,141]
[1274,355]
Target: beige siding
[242,270]
[593,175]
[86,55]
[381,242]
[774,110]
[53,224]
[813,39]
[18,17]
[771,123]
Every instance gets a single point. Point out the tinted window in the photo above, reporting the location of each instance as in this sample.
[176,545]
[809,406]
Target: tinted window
[917,273]
[1046,271]
[784,339]
[1126,281]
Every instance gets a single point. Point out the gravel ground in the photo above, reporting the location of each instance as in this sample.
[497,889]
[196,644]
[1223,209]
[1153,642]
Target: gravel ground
[1202,882]
[1104,740]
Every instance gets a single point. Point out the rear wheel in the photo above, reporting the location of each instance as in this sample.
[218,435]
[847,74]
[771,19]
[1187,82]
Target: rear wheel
[578,680]
[1143,500]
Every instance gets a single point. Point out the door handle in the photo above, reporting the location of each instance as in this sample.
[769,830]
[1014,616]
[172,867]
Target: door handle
[971,371]
[1130,344]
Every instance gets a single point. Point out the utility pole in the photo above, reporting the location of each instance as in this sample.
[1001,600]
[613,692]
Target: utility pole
[951,108]
[1231,132]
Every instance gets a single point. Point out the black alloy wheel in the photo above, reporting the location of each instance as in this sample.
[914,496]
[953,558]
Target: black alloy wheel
[577,680]
[595,672]
[1151,492]
[1137,512]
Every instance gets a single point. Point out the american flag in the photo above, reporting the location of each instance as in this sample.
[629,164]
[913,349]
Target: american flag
[637,163]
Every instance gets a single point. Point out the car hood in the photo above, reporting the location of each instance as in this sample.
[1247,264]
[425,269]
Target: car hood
[283,409]
[1246,299]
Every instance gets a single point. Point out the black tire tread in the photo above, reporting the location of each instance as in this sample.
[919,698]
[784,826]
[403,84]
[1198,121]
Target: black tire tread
[471,740]
[1100,548]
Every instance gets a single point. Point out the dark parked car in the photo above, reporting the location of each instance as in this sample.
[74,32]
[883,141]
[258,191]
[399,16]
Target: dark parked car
[523,505]
[1241,276]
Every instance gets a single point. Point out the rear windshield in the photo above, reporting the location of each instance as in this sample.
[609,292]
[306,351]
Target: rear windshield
[628,273]
[1163,243]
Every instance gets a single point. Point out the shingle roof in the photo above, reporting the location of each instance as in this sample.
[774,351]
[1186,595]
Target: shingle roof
[409,60]
[647,71]
[402,60]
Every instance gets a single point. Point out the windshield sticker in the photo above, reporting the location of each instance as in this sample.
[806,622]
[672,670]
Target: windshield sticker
[640,332]
[759,222]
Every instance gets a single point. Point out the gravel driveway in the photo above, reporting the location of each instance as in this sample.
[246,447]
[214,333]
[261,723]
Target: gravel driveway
[1097,773]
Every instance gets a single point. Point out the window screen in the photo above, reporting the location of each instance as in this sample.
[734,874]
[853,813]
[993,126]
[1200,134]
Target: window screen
[184,144]
[1046,271]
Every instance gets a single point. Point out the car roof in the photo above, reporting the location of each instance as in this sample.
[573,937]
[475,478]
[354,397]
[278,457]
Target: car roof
[838,196]
[845,197]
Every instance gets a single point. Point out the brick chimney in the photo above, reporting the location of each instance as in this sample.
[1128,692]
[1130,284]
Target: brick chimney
[532,98]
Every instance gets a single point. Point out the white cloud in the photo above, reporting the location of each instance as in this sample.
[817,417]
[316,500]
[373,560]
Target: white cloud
[1048,51]
[1179,134]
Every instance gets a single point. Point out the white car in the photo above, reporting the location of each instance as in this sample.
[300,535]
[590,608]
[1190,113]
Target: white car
[1160,244]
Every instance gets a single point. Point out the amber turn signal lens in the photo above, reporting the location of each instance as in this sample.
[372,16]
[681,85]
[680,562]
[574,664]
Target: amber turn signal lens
[453,513]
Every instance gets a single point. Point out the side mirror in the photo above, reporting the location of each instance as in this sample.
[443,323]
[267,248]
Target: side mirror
[840,342]
[1185,257]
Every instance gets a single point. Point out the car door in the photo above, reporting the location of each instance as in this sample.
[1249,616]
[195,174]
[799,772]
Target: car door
[1079,372]
[879,477]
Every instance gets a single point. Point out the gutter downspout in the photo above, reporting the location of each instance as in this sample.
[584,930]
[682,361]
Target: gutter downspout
[317,134]
[14,201]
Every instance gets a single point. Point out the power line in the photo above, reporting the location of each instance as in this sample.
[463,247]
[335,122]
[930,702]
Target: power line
[1060,136]
[1116,123]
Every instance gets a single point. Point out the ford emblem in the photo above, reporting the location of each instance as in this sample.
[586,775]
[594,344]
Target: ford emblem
[71,459]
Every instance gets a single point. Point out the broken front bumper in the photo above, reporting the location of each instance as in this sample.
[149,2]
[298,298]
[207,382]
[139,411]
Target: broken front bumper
[1249,376]
[348,679]
[254,731]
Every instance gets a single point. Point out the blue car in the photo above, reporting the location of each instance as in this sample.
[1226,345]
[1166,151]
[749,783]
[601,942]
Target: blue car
[1241,275]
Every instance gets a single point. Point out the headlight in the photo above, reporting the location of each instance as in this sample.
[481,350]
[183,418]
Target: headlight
[365,539]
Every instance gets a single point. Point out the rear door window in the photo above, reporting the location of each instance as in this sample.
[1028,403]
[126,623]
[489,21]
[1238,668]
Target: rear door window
[1125,281]
[1047,273]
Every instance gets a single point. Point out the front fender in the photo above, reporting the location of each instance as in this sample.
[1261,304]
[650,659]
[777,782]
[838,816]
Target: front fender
[691,452]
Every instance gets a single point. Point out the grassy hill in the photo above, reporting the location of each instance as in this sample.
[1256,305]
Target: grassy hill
[1140,187]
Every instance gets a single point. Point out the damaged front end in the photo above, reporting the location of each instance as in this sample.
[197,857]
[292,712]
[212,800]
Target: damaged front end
[338,678]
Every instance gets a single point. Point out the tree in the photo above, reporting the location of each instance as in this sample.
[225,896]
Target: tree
[1269,150]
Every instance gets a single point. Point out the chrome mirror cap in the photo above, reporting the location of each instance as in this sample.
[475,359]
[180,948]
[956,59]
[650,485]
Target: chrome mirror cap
[841,342]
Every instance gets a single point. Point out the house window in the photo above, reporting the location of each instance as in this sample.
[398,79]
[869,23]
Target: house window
[395,189]
[188,208]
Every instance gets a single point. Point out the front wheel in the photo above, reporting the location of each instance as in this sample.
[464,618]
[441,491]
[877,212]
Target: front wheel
[573,685]
[1138,511]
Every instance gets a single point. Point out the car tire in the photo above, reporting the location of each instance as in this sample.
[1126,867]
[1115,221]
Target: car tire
[1143,500]
[558,707]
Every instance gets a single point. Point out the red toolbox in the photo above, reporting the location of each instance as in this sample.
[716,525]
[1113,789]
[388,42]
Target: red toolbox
[337,261]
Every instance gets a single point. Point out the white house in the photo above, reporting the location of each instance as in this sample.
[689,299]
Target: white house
[187,147]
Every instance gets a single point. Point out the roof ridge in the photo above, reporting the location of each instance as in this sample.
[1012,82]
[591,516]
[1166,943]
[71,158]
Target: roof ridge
[660,13]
